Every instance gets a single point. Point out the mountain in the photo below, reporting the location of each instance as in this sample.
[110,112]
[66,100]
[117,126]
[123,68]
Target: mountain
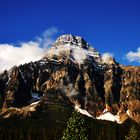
[73,73]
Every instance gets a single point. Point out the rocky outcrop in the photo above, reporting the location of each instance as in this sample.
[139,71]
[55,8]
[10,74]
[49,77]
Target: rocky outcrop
[112,86]
[3,82]
[24,112]
[17,92]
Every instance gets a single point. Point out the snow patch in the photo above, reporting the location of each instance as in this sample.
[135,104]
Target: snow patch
[35,97]
[82,111]
[109,117]
[35,103]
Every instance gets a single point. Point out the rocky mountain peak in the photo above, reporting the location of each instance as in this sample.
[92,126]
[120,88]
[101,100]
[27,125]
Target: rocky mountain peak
[74,48]
[71,40]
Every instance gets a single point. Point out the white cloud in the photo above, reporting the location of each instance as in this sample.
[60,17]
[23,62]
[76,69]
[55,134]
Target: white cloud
[46,39]
[11,55]
[79,54]
[107,57]
[133,56]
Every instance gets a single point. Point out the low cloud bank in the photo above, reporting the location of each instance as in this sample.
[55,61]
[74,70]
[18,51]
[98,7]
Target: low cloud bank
[25,52]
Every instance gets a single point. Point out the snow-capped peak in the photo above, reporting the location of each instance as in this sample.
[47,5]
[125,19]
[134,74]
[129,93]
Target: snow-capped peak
[72,40]
[74,48]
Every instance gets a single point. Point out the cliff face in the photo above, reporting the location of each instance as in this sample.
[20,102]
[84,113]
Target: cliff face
[16,91]
[130,91]
[73,72]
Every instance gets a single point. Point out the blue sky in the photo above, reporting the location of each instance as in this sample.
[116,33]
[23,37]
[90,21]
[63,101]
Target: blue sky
[109,25]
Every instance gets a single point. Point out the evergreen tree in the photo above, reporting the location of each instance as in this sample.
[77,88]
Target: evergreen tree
[133,134]
[76,128]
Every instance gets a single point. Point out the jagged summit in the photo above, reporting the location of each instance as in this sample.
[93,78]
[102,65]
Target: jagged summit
[74,48]
[72,40]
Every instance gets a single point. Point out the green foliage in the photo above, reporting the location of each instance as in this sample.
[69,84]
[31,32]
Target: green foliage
[133,134]
[76,128]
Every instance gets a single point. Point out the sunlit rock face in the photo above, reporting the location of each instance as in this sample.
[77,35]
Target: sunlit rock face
[130,91]
[73,72]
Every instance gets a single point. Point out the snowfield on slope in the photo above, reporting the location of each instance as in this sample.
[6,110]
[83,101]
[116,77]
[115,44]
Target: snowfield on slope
[106,116]
[109,117]
[82,111]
